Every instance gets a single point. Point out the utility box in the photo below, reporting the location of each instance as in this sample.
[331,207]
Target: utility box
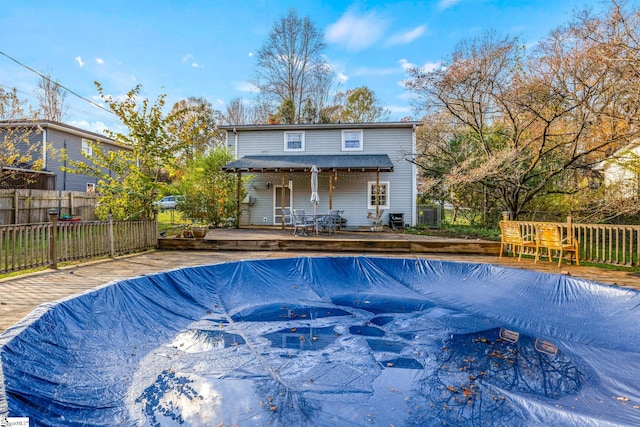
[396,221]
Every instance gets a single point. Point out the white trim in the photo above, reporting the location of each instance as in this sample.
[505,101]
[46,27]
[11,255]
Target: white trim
[85,147]
[371,184]
[361,145]
[286,141]
[273,201]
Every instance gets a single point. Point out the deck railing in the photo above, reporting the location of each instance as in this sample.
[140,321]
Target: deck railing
[598,243]
[47,244]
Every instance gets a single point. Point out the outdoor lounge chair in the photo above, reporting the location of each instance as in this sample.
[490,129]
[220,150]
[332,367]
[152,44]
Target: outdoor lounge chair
[512,235]
[549,237]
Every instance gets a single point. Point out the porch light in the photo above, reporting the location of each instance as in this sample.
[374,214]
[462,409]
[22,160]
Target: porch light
[268,185]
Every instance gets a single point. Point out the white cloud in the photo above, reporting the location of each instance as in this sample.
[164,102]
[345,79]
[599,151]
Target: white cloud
[356,32]
[431,66]
[407,36]
[186,58]
[406,65]
[100,61]
[196,65]
[446,4]
[79,61]
[97,127]
[250,54]
[426,68]
[342,77]
[245,87]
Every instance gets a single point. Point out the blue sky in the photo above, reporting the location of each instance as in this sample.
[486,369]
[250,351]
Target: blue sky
[207,48]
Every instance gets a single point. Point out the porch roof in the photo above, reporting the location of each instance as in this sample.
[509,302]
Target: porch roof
[293,163]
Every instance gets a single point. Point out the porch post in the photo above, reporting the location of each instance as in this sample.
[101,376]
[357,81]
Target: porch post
[331,191]
[377,192]
[282,193]
[238,199]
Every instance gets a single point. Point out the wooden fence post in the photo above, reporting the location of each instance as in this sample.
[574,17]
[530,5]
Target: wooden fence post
[111,238]
[53,253]
[569,229]
[505,215]
[16,209]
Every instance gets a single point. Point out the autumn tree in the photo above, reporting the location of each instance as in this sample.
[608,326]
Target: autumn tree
[17,132]
[51,99]
[194,122]
[362,105]
[531,124]
[211,191]
[129,181]
[290,64]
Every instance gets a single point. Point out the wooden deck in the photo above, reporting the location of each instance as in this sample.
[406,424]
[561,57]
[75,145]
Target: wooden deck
[276,239]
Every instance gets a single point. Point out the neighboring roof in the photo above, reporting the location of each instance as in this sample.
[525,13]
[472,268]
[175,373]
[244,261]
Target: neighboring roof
[309,126]
[291,163]
[63,127]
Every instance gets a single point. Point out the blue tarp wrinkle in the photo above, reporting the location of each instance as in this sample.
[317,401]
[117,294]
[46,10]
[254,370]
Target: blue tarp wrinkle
[322,341]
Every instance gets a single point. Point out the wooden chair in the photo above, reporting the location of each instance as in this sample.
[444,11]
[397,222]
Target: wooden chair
[512,235]
[549,237]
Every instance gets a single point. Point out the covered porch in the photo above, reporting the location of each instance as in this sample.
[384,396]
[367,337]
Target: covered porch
[282,183]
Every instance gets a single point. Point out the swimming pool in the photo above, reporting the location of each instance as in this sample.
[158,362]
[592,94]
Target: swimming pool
[330,341]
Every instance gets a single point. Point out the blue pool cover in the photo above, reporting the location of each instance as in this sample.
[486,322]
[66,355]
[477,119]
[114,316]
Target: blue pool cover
[335,341]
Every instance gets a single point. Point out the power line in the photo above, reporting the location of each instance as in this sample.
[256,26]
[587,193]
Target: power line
[56,83]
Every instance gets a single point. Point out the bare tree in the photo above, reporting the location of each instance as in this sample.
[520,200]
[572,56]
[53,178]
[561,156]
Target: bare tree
[290,64]
[51,99]
[528,126]
[237,113]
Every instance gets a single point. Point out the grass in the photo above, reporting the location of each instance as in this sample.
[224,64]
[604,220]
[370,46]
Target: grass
[462,231]
[171,222]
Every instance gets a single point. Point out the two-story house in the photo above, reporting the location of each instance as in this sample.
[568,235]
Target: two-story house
[50,138]
[364,169]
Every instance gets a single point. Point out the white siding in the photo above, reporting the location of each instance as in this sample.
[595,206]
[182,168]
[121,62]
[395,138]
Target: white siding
[350,189]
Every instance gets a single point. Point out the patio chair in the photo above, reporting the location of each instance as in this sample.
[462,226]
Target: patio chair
[329,223]
[377,220]
[549,237]
[512,235]
[300,223]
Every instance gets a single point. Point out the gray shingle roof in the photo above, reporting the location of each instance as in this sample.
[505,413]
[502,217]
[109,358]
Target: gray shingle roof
[354,162]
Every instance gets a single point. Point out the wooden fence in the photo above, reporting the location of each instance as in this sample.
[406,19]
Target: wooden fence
[598,243]
[24,206]
[47,244]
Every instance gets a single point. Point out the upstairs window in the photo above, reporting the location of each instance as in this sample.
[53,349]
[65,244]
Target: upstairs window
[352,140]
[382,195]
[294,141]
[86,147]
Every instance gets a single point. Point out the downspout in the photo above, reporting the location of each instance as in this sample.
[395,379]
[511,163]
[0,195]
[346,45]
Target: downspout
[44,147]
[235,144]
[414,175]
